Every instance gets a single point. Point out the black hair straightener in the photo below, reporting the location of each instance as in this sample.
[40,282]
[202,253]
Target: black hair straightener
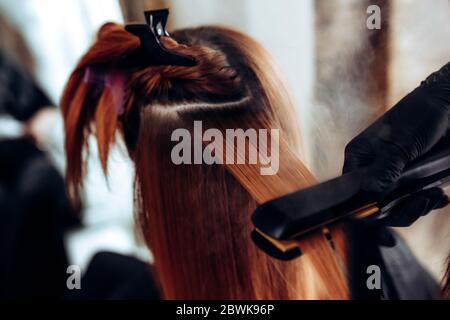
[279,223]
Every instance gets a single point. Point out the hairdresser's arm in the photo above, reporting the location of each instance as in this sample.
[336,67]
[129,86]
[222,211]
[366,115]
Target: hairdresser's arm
[405,132]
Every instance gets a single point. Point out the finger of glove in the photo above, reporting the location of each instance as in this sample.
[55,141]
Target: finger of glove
[386,169]
[386,238]
[358,154]
[412,208]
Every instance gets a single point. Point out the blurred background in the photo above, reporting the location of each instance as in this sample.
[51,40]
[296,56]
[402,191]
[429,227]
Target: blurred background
[342,74]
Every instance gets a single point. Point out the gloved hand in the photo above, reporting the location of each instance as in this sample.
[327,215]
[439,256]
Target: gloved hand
[405,132]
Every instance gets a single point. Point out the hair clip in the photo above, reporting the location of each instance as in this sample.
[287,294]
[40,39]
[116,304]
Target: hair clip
[152,52]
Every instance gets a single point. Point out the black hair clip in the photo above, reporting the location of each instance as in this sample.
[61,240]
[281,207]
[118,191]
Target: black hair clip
[152,52]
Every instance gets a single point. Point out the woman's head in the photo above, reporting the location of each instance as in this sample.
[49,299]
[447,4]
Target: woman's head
[194,217]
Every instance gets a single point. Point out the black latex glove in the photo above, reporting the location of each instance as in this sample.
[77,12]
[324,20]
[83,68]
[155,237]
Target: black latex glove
[402,134]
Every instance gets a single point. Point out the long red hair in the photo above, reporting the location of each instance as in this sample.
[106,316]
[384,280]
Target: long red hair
[196,218]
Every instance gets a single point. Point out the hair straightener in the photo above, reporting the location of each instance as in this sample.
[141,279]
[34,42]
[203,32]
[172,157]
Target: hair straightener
[282,222]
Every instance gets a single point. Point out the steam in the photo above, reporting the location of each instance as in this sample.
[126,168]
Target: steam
[342,105]
[345,102]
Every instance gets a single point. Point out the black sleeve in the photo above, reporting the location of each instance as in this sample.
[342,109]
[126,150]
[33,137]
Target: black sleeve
[20,97]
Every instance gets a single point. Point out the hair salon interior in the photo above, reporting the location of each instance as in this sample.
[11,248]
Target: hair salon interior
[94,206]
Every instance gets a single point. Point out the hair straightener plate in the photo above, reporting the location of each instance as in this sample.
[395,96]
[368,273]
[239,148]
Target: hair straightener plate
[279,223]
